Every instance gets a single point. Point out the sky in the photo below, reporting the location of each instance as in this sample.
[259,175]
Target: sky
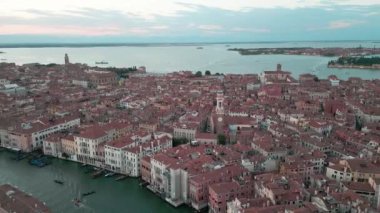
[74,21]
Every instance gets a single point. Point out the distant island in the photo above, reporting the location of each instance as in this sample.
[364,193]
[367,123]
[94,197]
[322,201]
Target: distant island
[1,52]
[329,52]
[120,72]
[352,62]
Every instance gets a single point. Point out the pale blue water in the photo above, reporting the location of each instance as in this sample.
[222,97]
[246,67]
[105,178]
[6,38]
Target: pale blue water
[213,57]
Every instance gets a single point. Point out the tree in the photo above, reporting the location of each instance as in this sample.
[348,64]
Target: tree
[179,141]
[321,108]
[91,85]
[221,139]
[65,155]
[205,126]
[198,74]
[358,124]
[217,74]
[207,72]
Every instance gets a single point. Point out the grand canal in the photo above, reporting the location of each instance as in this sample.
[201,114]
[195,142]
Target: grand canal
[111,196]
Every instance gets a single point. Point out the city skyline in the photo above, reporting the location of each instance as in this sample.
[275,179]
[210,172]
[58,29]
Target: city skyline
[181,106]
[183,21]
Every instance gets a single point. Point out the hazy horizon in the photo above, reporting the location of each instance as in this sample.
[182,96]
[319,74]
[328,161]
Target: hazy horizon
[179,43]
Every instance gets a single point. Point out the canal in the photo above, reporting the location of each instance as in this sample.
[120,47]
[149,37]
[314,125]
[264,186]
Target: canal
[111,196]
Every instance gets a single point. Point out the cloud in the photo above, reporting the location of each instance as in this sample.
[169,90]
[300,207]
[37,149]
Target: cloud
[144,9]
[146,31]
[15,29]
[57,30]
[137,31]
[150,9]
[371,14]
[341,24]
[250,30]
[210,27]
[159,27]
[247,5]
[355,2]
[219,29]
[180,19]
[337,25]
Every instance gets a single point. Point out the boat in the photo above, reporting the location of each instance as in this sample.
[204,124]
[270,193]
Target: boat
[59,182]
[121,177]
[110,174]
[142,184]
[101,62]
[3,59]
[84,165]
[97,173]
[20,156]
[40,162]
[77,202]
[89,170]
[88,193]
[199,48]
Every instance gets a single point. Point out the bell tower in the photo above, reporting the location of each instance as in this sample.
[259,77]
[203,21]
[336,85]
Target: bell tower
[67,61]
[219,103]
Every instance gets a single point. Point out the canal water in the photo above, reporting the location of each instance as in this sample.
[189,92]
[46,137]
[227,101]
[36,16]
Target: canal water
[111,196]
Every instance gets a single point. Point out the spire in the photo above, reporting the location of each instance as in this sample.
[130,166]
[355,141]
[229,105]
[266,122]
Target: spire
[67,61]
[278,67]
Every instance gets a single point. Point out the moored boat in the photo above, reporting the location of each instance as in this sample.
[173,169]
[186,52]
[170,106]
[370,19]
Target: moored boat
[121,177]
[88,193]
[77,202]
[97,173]
[40,161]
[59,182]
[142,184]
[109,174]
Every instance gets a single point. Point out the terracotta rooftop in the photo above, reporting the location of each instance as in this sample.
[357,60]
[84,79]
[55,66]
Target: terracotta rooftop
[14,200]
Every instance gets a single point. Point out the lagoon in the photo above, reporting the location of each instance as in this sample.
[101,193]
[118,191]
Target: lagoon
[164,58]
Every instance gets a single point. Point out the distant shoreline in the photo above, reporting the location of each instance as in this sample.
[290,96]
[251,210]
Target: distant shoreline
[353,67]
[309,51]
[352,62]
[121,44]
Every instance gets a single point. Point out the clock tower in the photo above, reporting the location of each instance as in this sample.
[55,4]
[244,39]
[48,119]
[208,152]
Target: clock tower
[219,103]
[219,113]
